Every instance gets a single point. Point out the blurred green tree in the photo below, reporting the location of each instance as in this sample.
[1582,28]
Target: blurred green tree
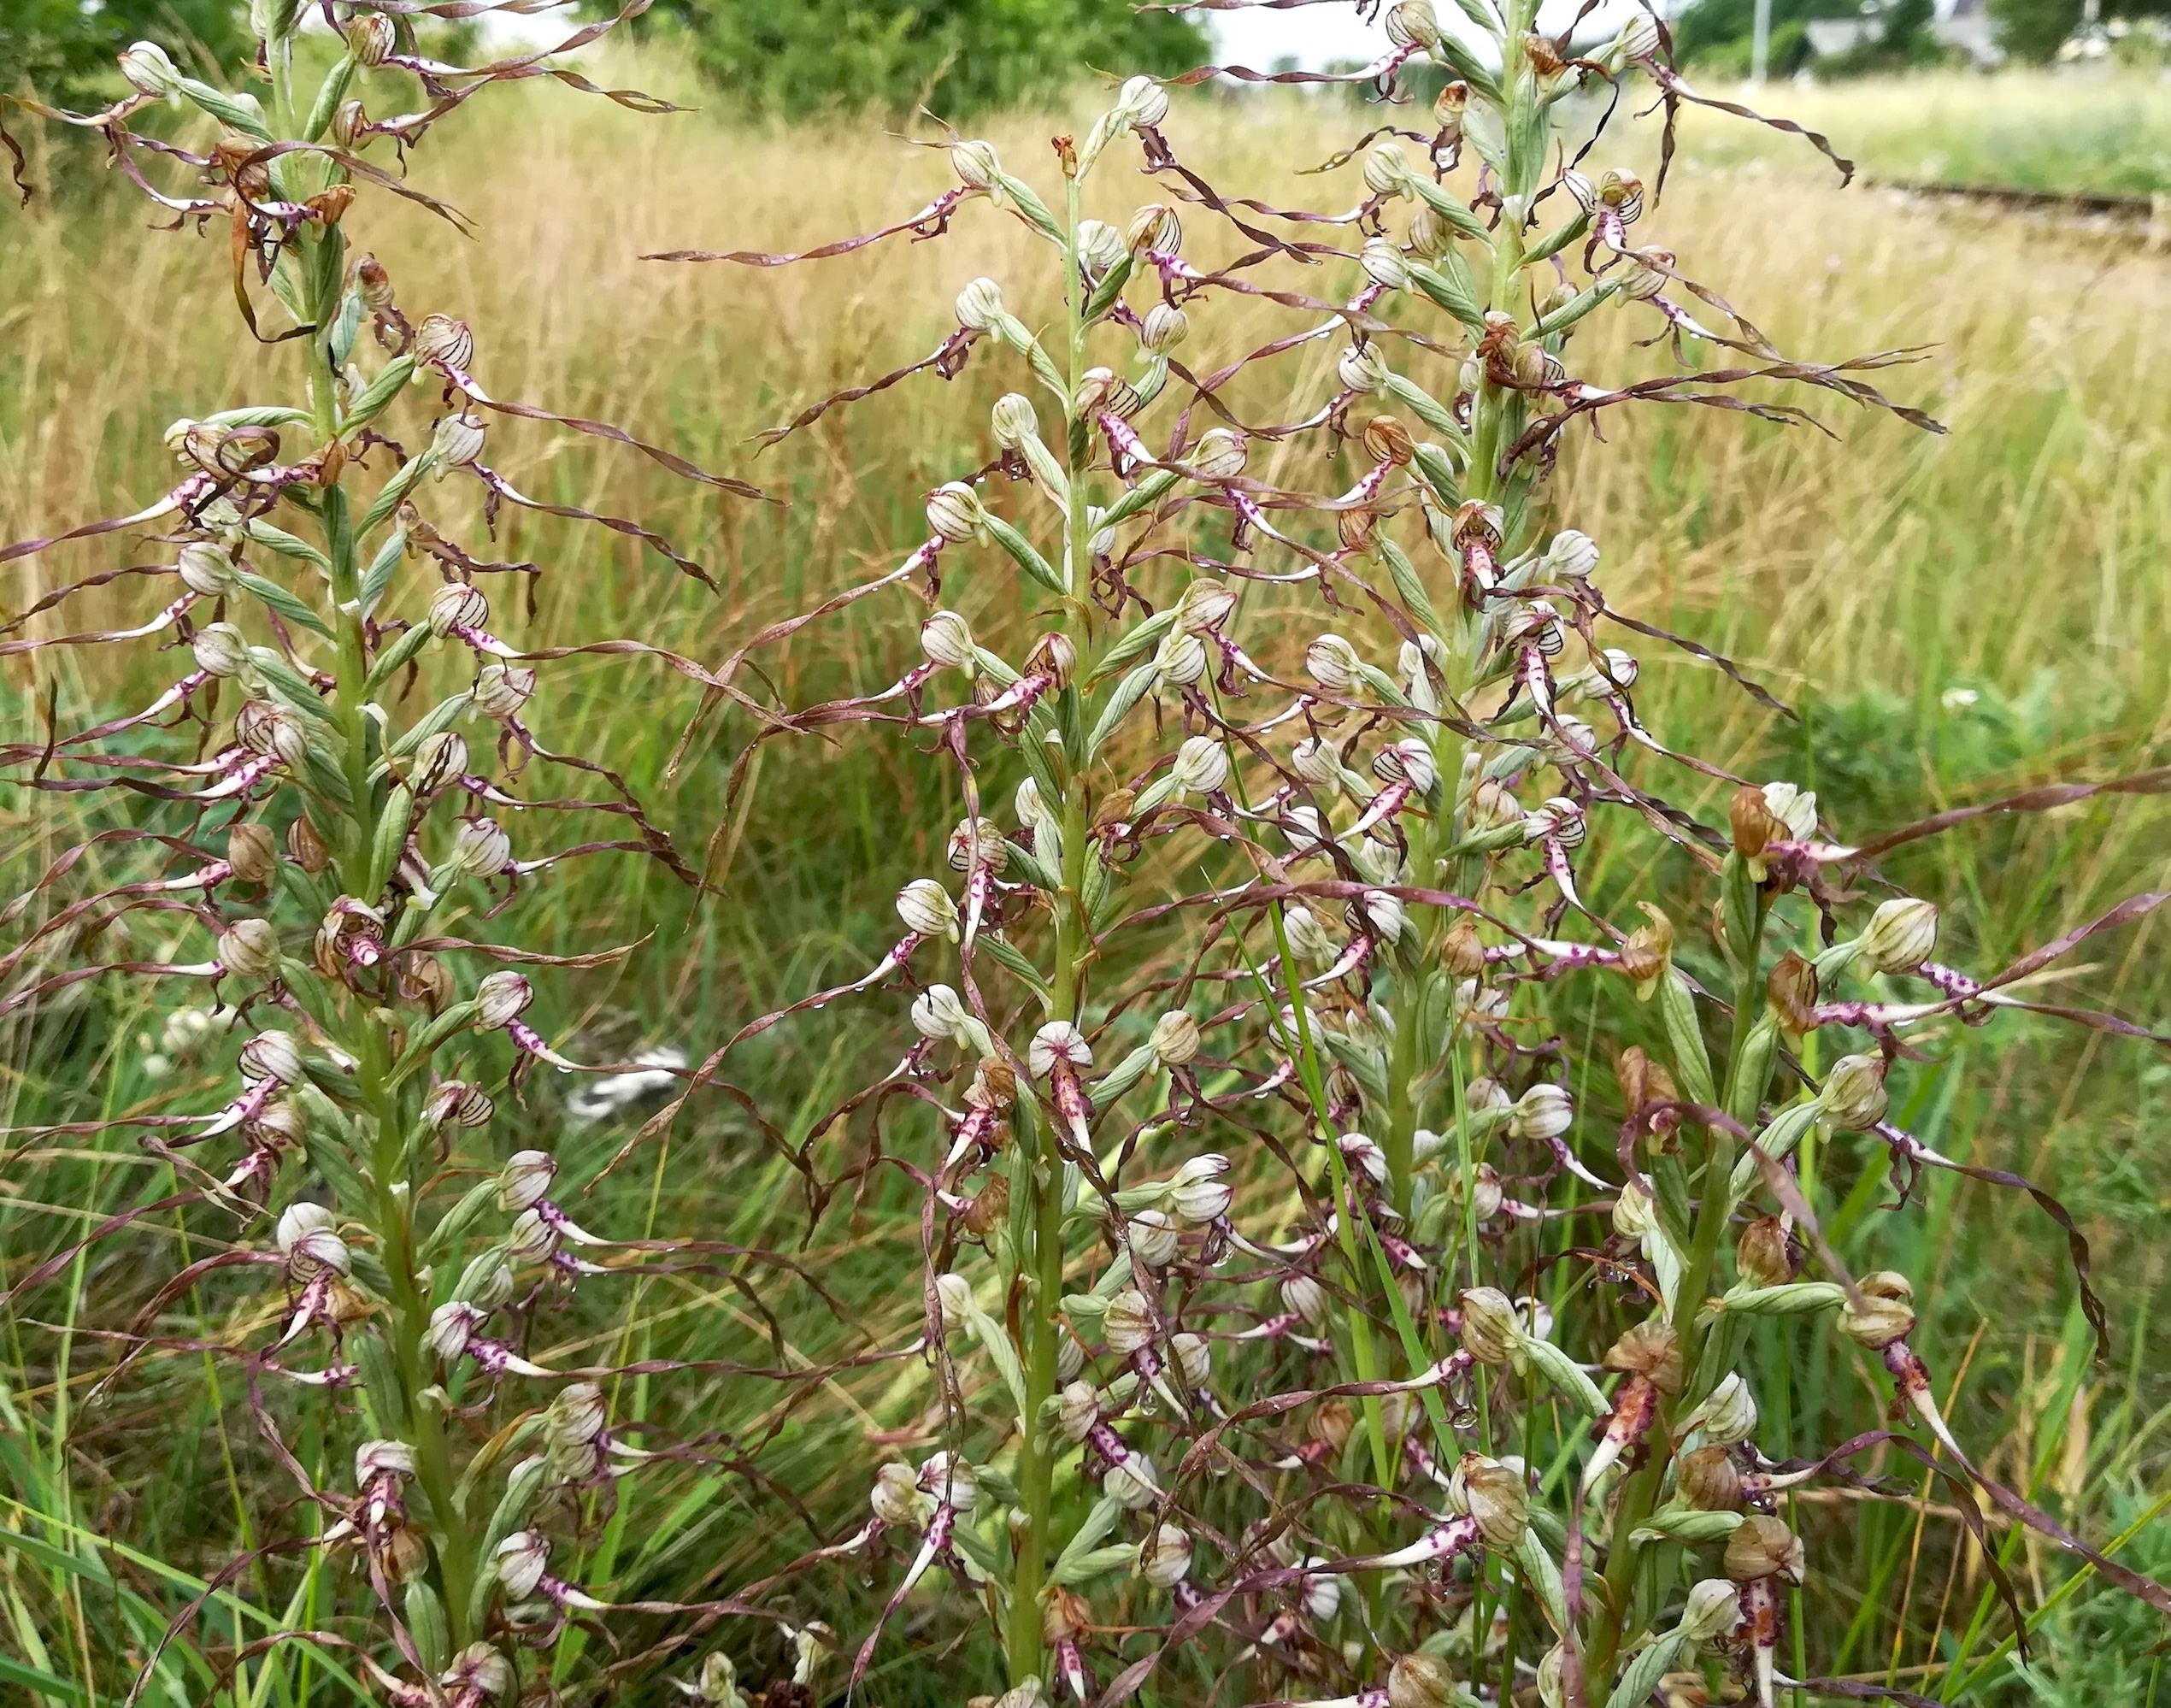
[56,46]
[2034,30]
[952,56]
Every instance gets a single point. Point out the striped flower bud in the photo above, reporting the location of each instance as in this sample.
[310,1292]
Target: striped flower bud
[1854,1097]
[307,1241]
[1729,1415]
[1013,420]
[220,650]
[1408,760]
[525,1180]
[1201,766]
[456,440]
[369,39]
[1707,1480]
[949,1478]
[383,1458]
[521,1559]
[1204,605]
[1494,1496]
[272,1056]
[1199,1191]
[578,1412]
[1130,1483]
[1221,454]
[1384,263]
[252,854]
[457,605]
[1545,1111]
[1571,556]
[150,72]
[249,949]
[954,512]
[443,339]
[1143,101]
[1154,1241]
[1128,1325]
[1165,1558]
[502,690]
[1712,1611]
[940,1015]
[1164,327]
[1422,1681]
[1306,1299]
[480,848]
[1651,1349]
[1174,1041]
[1078,1410]
[1363,370]
[1100,247]
[979,305]
[1387,171]
[1180,659]
[1332,662]
[1762,1547]
[927,911]
[207,569]
[501,998]
[440,760]
[1492,1327]
[945,640]
[1902,934]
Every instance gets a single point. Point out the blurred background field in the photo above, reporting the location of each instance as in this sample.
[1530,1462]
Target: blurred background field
[1955,617]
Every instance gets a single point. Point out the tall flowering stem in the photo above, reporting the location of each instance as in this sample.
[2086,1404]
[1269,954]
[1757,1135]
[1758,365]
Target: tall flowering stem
[1247,1113]
[348,761]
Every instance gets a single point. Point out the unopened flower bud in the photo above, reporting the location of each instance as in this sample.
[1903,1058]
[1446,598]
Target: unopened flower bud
[1175,1041]
[251,853]
[1153,1241]
[525,1180]
[150,72]
[383,1458]
[1902,934]
[1363,370]
[1762,1547]
[1707,1480]
[457,605]
[954,1299]
[480,848]
[1221,454]
[272,1056]
[949,1478]
[1652,1351]
[946,641]
[1384,263]
[249,949]
[1180,659]
[1128,1325]
[1143,102]
[577,1413]
[1854,1096]
[1492,1327]
[521,1559]
[369,39]
[440,760]
[927,911]
[1100,247]
[1306,1299]
[1421,1680]
[1332,662]
[1013,420]
[456,440]
[1765,1254]
[1078,1410]
[306,847]
[1201,766]
[1199,1191]
[441,338]
[1494,1495]
[940,1015]
[1387,171]
[1130,1483]
[307,1241]
[974,163]
[1638,39]
[1166,1558]
[1545,1111]
[954,512]
[1713,1610]
[1729,1415]
[207,569]
[1164,327]
[501,690]
[979,305]
[220,650]
[501,998]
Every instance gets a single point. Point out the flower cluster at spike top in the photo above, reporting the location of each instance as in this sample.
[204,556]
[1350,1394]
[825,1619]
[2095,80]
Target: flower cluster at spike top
[1303,1304]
